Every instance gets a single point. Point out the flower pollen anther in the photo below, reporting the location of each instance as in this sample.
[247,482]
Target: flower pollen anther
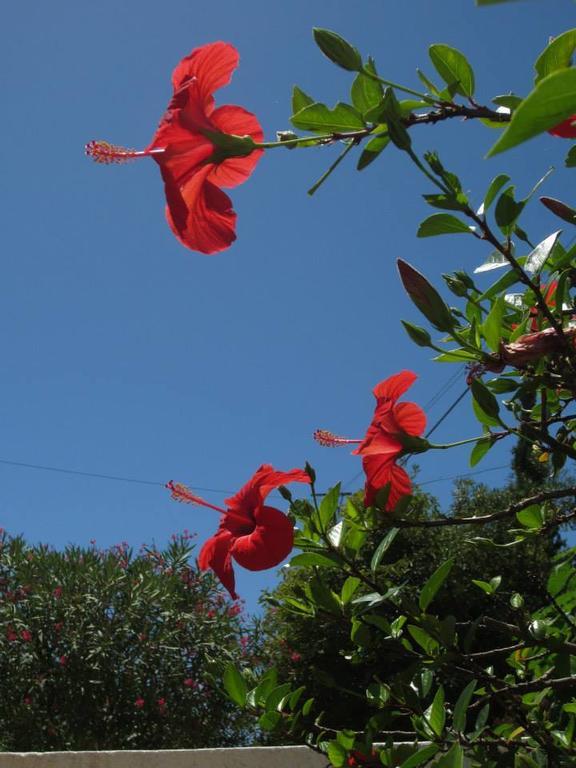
[329,440]
[105,153]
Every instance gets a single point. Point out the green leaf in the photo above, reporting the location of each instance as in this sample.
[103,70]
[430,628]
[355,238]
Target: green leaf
[300,100]
[329,507]
[442,224]
[560,209]
[509,100]
[269,720]
[454,758]
[308,559]
[378,694]
[382,548]
[336,754]
[425,297]
[275,697]
[235,685]
[551,102]
[507,211]
[502,386]
[436,713]
[392,116]
[366,93]
[307,706]
[516,601]
[423,756]
[426,641]
[531,517]
[492,326]
[453,68]
[506,281]
[480,450]
[419,336]
[557,55]
[434,583]
[427,82]
[295,696]
[324,597]
[372,149]
[536,259]
[459,355]
[337,49]
[360,634]
[558,578]
[258,696]
[318,117]
[299,606]
[485,399]
[349,589]
[494,260]
[570,160]
[495,186]
[485,586]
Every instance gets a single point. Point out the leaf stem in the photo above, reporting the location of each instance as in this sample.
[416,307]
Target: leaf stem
[333,167]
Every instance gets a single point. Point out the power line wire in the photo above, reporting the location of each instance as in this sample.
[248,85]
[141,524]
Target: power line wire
[464,474]
[102,476]
[221,491]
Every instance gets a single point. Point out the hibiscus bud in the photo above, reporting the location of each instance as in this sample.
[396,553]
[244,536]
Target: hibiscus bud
[425,297]
[310,472]
[456,285]
[338,50]
[287,136]
[418,335]
[560,209]
[285,493]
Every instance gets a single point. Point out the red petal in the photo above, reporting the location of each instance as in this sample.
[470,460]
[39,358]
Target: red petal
[200,214]
[380,434]
[264,480]
[238,122]
[270,542]
[212,65]
[182,159]
[566,129]
[215,554]
[410,418]
[378,473]
[394,386]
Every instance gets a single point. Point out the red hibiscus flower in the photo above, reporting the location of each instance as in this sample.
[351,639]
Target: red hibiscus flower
[566,129]
[255,535]
[199,149]
[382,445]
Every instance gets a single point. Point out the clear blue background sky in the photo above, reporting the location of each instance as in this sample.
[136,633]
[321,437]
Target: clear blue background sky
[125,354]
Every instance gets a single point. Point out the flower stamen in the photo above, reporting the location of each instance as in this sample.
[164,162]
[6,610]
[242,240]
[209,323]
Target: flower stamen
[330,440]
[105,153]
[183,494]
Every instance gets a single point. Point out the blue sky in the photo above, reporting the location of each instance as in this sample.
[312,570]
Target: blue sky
[125,354]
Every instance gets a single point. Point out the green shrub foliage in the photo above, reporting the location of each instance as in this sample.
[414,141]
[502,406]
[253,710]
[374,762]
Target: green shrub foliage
[107,649]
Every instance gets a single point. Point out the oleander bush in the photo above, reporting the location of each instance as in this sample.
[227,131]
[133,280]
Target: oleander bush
[111,649]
